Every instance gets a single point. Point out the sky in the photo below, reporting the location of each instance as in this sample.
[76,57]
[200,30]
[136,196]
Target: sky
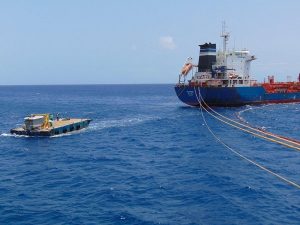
[139,42]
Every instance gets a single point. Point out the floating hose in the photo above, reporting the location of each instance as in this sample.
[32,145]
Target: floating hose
[290,140]
[234,151]
[254,131]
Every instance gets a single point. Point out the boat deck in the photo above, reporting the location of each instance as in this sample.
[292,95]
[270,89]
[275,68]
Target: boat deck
[65,122]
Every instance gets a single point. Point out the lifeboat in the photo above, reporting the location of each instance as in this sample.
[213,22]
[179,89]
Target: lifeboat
[186,69]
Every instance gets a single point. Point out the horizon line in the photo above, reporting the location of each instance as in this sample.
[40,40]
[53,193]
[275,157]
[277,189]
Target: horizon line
[1,85]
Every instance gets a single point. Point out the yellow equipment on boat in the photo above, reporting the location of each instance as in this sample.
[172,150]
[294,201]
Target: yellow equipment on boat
[46,124]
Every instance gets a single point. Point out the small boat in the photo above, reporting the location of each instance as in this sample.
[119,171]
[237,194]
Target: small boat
[47,125]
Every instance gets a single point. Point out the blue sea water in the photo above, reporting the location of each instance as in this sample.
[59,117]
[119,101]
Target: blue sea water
[146,158]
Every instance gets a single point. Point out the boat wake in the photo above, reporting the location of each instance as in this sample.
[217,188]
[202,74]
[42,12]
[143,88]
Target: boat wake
[100,125]
[105,124]
[13,135]
[54,136]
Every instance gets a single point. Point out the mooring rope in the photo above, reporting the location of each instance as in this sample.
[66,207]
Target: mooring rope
[295,142]
[288,139]
[257,131]
[183,88]
[236,152]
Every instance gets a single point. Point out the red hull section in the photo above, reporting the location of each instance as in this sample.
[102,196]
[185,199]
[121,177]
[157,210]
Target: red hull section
[282,87]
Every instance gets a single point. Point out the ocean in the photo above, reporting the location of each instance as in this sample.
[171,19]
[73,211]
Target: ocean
[146,158]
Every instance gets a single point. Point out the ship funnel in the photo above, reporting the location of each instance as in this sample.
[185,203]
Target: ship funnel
[207,57]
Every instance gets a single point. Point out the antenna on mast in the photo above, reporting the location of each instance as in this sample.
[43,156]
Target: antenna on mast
[225,35]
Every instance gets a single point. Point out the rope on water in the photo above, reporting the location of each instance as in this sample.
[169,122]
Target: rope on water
[292,141]
[236,152]
[254,131]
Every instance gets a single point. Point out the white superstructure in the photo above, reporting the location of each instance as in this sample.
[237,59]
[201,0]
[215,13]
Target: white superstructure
[223,68]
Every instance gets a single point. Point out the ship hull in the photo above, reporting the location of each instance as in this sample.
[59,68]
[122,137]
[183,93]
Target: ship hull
[232,96]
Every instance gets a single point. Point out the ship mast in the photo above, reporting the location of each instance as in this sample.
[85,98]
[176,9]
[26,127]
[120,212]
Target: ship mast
[225,35]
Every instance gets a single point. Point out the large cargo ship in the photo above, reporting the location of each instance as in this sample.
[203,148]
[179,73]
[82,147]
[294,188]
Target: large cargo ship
[223,79]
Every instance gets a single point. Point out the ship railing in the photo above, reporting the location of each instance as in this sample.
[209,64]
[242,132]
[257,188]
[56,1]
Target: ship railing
[180,80]
[254,83]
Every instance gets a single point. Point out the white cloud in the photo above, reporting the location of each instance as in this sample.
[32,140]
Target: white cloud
[167,42]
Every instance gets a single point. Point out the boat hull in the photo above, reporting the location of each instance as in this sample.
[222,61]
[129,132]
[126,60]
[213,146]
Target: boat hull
[232,96]
[66,127]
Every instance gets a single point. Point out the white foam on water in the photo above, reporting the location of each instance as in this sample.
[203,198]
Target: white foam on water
[239,114]
[120,123]
[13,135]
[54,136]
[96,126]
[249,108]
[270,109]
